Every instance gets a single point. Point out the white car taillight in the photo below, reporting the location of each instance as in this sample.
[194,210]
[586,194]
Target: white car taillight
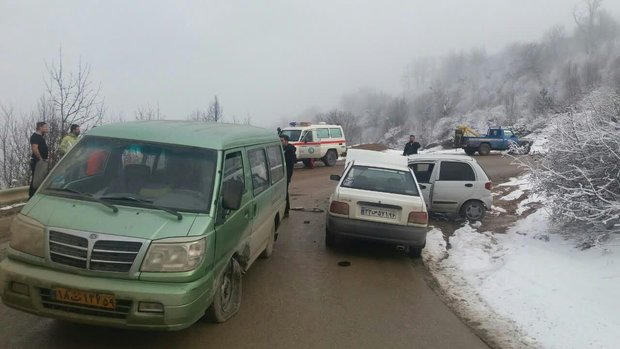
[488,185]
[418,218]
[338,207]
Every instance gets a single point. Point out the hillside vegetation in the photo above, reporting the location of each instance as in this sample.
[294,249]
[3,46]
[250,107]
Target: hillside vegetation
[521,85]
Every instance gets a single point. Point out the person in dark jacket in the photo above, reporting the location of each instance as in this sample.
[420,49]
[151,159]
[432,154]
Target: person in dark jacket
[40,152]
[411,147]
[290,159]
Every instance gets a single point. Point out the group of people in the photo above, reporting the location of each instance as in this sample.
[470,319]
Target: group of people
[40,152]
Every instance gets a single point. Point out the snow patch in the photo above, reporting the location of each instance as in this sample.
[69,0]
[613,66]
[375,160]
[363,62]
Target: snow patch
[560,296]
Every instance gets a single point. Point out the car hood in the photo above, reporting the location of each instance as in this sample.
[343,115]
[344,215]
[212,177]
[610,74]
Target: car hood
[152,224]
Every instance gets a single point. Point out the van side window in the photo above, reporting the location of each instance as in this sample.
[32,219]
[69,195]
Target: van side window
[423,171]
[259,170]
[322,133]
[233,168]
[335,133]
[276,165]
[456,171]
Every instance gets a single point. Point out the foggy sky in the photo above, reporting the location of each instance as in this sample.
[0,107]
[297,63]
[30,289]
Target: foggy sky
[268,59]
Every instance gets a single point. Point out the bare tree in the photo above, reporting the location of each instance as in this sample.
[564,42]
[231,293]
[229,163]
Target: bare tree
[199,115]
[216,112]
[579,174]
[349,122]
[585,16]
[14,147]
[149,112]
[572,85]
[73,98]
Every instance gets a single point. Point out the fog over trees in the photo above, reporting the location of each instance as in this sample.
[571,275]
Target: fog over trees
[519,85]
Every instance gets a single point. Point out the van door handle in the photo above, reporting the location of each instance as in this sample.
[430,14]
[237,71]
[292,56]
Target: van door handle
[254,215]
[469,185]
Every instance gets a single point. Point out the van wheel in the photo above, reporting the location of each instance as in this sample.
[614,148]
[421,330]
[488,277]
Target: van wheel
[484,149]
[330,158]
[473,210]
[470,151]
[227,298]
[268,251]
[309,163]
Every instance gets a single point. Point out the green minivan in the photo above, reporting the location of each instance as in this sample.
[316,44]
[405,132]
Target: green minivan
[148,225]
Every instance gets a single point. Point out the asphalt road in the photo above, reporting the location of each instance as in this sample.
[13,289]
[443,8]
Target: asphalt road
[299,298]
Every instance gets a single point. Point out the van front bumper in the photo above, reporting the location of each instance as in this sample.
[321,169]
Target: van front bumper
[183,303]
[381,232]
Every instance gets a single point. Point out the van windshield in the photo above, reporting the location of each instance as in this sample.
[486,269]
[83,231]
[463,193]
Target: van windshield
[293,135]
[137,173]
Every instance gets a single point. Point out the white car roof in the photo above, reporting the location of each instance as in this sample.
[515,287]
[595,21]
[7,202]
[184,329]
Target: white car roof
[377,159]
[431,156]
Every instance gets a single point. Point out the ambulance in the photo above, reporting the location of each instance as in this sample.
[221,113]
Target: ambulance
[317,142]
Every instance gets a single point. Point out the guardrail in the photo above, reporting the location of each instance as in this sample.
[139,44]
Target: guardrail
[13,196]
[8,198]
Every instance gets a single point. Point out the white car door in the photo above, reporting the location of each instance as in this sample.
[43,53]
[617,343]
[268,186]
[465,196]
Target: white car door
[424,171]
[455,184]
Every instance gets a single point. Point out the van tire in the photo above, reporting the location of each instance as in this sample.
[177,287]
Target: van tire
[330,158]
[484,149]
[473,210]
[227,296]
[268,251]
[470,151]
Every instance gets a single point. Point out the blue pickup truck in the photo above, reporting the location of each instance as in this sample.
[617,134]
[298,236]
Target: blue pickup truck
[496,139]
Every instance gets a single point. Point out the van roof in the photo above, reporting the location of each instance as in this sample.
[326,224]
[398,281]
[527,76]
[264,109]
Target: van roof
[211,135]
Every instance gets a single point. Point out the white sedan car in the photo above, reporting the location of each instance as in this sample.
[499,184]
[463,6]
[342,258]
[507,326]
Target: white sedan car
[453,184]
[378,198]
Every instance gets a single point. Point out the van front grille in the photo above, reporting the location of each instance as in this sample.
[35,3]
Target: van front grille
[115,256]
[105,255]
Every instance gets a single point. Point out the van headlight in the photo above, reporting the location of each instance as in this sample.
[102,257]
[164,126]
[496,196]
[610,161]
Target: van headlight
[28,236]
[174,255]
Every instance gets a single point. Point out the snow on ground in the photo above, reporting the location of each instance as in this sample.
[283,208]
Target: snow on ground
[514,195]
[531,285]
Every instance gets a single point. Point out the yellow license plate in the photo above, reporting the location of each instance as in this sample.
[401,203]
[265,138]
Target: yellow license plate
[92,299]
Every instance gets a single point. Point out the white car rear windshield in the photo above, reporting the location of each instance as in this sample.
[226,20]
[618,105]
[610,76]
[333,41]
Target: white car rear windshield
[381,180]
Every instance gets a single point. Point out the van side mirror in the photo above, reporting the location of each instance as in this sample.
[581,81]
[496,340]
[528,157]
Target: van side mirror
[335,178]
[232,193]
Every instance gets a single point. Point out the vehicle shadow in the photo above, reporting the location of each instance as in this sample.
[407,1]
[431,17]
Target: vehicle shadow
[367,250]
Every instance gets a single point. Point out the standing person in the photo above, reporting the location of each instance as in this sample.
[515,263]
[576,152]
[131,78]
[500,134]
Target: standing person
[39,154]
[411,147]
[69,140]
[290,159]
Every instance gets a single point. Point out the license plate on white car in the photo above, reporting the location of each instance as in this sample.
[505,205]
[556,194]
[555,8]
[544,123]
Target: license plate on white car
[379,213]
